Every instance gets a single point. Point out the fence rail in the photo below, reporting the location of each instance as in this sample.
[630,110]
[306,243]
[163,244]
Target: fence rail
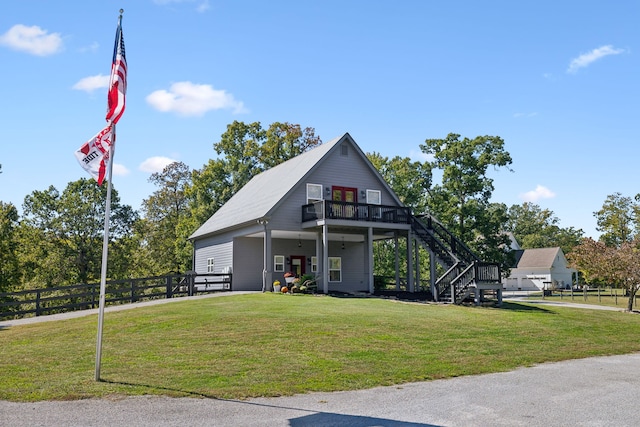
[38,302]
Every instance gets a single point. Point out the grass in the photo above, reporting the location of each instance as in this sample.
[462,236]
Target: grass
[607,297]
[270,345]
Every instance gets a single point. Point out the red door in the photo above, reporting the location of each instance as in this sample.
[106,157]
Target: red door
[344,194]
[297,264]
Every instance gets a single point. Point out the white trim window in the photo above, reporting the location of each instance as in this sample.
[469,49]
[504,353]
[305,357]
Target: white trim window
[314,193]
[335,269]
[278,263]
[211,265]
[314,264]
[374,197]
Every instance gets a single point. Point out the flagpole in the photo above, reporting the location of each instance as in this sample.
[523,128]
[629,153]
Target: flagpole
[107,215]
[105,251]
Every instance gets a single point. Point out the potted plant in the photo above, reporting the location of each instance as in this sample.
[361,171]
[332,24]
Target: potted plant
[289,277]
[276,286]
[295,285]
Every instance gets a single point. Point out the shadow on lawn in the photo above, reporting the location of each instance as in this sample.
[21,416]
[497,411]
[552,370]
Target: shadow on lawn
[514,306]
[313,418]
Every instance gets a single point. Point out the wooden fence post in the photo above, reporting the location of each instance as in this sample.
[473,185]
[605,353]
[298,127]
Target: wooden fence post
[38,302]
[133,290]
[192,278]
[169,287]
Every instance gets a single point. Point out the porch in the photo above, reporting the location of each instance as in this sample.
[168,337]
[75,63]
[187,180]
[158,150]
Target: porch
[350,211]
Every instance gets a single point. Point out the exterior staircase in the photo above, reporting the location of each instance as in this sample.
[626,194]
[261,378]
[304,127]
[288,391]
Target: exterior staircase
[466,274]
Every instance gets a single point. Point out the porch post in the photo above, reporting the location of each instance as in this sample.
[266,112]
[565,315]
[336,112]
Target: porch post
[325,258]
[416,285]
[319,258]
[397,253]
[370,258]
[410,261]
[266,271]
[432,275]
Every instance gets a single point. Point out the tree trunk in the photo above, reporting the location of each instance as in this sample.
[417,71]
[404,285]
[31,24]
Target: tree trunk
[632,294]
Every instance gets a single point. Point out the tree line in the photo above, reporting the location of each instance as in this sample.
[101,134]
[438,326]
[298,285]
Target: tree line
[57,240]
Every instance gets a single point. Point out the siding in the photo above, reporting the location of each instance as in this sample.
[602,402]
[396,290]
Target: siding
[222,253]
[247,270]
[337,170]
[354,276]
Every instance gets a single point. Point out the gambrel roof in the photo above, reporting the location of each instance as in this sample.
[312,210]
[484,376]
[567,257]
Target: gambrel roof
[265,191]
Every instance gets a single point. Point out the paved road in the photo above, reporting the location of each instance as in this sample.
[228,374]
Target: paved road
[600,391]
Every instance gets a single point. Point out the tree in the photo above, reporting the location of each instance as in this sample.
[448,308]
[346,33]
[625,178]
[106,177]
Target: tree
[244,151]
[534,227]
[410,180]
[163,211]
[618,219]
[461,201]
[9,267]
[284,141]
[69,227]
[603,264]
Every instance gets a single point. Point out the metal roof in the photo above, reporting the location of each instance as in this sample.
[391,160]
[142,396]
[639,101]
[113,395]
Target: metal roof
[264,191]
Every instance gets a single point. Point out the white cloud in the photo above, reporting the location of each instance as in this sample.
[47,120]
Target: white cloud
[32,40]
[586,59]
[518,115]
[420,156]
[120,170]
[91,83]
[155,164]
[190,99]
[93,47]
[201,5]
[540,192]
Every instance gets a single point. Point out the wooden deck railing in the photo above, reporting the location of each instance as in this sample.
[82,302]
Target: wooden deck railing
[329,209]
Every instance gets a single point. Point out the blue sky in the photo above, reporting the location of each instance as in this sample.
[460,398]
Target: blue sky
[558,81]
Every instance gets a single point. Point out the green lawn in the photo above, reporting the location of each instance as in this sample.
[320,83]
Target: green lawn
[269,345]
[608,297]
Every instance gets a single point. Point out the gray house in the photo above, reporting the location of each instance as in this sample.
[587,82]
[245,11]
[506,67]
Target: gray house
[319,213]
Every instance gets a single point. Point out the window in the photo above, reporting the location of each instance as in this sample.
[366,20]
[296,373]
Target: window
[335,269]
[374,197]
[314,192]
[278,263]
[314,264]
[210,265]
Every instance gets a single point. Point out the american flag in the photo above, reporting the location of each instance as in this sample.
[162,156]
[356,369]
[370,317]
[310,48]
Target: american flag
[118,80]
[94,155]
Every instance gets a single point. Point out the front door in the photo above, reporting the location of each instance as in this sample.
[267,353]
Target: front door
[297,264]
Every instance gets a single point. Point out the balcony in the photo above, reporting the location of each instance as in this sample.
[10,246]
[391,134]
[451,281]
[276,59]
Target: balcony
[329,209]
